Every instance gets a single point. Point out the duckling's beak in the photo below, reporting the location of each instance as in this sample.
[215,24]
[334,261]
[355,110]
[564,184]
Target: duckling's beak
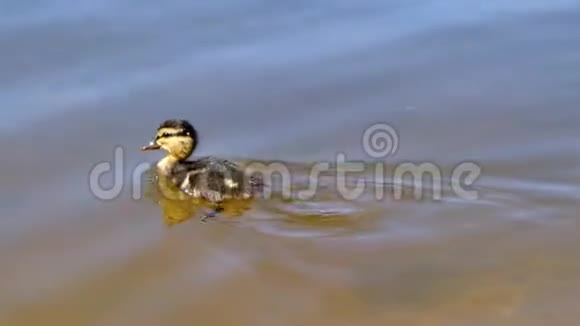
[151,147]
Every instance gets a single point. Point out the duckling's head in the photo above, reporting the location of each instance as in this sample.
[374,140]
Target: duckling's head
[177,137]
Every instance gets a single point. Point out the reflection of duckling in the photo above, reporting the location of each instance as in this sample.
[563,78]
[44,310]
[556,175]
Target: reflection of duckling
[212,179]
[179,211]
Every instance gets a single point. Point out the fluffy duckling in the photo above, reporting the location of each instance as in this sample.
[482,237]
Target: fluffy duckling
[209,178]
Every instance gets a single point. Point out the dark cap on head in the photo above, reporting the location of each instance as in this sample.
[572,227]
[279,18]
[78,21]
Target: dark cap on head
[177,124]
[184,125]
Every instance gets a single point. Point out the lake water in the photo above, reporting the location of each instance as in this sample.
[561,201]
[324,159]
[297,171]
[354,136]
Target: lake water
[493,83]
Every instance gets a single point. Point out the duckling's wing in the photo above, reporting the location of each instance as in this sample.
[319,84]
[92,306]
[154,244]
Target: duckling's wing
[214,179]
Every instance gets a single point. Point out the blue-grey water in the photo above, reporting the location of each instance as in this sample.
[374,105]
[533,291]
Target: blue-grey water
[496,83]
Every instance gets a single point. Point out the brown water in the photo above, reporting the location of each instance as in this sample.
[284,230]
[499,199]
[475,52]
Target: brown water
[493,83]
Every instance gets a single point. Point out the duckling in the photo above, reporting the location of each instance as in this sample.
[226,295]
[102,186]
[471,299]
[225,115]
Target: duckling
[212,179]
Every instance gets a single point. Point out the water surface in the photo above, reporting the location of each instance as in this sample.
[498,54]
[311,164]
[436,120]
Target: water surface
[493,83]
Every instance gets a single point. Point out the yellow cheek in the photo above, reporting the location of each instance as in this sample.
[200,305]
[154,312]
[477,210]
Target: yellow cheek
[162,143]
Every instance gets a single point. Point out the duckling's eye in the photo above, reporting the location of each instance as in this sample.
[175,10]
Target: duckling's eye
[164,135]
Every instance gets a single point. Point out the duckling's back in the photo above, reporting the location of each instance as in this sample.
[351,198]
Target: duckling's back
[215,180]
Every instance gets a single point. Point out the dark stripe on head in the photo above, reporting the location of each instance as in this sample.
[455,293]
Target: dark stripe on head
[174,134]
